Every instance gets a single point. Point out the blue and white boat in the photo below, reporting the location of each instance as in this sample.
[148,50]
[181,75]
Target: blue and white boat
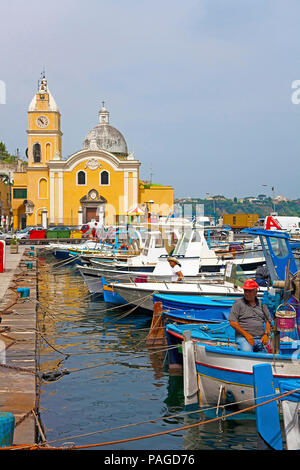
[216,374]
[194,309]
[270,405]
[206,333]
[219,372]
[112,244]
[110,295]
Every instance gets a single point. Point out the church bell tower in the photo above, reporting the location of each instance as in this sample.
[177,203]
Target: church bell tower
[44,134]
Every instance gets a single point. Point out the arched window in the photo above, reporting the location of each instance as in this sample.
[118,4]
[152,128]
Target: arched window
[104,177]
[43,188]
[81,177]
[48,149]
[37,153]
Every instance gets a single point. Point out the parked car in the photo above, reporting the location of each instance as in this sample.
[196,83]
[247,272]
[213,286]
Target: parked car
[24,233]
[5,235]
[60,227]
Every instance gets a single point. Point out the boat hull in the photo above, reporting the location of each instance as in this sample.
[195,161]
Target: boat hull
[225,375]
[134,294]
[92,279]
[206,333]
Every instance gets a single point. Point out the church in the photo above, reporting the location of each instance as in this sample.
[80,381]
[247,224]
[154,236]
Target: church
[98,182]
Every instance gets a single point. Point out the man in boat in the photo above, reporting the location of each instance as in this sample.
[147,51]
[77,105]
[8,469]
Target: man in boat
[262,276]
[251,320]
[177,275]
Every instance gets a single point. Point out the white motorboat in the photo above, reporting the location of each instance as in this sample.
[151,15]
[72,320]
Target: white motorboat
[140,294]
[197,261]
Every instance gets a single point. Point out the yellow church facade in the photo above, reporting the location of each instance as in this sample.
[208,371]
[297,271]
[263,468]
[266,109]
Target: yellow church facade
[99,182]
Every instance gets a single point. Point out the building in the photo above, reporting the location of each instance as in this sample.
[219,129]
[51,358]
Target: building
[5,206]
[100,181]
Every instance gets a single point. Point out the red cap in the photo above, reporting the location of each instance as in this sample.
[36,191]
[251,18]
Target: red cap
[250,284]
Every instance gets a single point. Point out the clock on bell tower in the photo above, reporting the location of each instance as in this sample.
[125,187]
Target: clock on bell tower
[44,134]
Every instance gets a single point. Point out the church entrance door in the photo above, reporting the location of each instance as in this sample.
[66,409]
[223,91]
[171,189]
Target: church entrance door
[91,213]
[93,207]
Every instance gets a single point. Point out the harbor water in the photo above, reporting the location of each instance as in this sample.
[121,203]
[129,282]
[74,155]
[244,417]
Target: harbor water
[100,383]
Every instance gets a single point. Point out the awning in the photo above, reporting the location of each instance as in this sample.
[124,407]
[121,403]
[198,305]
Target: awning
[136,211]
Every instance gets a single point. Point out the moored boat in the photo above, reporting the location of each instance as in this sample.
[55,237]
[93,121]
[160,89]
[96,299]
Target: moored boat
[222,374]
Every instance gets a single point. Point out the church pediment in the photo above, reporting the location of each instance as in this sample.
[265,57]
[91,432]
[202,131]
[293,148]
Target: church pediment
[93,197]
[92,159]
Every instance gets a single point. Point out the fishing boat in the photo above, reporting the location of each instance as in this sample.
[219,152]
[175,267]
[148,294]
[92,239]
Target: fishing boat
[205,317]
[271,406]
[219,374]
[155,248]
[112,269]
[110,295]
[195,309]
[141,293]
[193,252]
[214,333]
[223,373]
[114,243]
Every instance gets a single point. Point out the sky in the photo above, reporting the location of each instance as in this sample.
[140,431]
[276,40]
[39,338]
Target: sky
[201,90]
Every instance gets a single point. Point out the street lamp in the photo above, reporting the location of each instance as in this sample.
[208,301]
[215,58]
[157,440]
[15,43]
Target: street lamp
[214,202]
[147,208]
[273,195]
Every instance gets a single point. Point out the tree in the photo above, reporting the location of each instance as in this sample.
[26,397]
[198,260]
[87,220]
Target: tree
[5,156]
[3,152]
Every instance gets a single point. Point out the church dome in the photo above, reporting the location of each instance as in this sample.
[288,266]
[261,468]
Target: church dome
[105,137]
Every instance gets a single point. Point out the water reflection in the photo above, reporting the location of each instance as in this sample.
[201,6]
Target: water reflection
[115,380]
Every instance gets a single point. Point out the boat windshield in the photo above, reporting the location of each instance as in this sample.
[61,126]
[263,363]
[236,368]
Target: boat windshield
[269,259]
[159,242]
[279,247]
[183,243]
[146,246]
[278,256]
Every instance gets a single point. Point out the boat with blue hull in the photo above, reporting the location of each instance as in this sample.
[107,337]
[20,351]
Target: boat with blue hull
[110,295]
[206,333]
[270,405]
[203,308]
[218,372]
[193,309]
[119,243]
[214,373]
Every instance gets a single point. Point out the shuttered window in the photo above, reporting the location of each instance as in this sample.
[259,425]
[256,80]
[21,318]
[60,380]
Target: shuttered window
[20,193]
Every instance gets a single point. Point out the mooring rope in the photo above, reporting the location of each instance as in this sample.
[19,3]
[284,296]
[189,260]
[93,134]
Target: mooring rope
[148,436]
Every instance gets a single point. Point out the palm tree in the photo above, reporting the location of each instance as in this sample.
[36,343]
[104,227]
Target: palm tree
[3,152]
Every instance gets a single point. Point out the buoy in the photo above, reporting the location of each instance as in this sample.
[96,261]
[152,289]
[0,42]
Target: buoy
[23,291]
[7,427]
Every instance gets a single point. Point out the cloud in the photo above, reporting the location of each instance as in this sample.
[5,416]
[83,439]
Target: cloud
[204,82]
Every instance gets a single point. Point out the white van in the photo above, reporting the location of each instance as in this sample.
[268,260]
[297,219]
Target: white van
[286,223]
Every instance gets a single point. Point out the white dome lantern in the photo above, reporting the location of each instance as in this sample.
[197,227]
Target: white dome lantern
[105,137]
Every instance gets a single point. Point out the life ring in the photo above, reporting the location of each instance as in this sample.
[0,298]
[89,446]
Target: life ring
[123,246]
